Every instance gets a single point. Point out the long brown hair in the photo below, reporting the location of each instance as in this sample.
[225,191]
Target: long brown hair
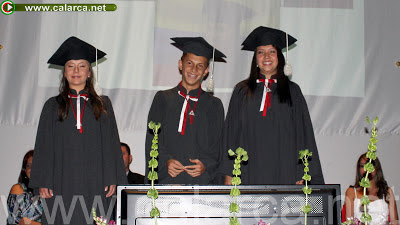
[283,81]
[379,179]
[63,100]
[23,177]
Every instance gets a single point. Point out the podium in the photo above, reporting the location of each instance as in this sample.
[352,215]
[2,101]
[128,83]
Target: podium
[203,205]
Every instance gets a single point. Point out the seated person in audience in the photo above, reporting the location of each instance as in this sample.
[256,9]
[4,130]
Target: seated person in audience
[383,205]
[23,206]
[133,178]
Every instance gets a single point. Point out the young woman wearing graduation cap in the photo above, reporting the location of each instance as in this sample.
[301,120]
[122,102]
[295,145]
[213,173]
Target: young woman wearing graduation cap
[78,160]
[268,117]
[191,120]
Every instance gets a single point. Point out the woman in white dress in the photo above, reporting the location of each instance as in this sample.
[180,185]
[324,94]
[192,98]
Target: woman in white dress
[382,208]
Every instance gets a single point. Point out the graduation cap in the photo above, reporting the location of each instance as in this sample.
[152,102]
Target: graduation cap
[73,49]
[262,36]
[198,46]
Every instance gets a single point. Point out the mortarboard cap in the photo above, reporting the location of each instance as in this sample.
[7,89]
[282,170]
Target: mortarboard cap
[266,36]
[73,49]
[197,46]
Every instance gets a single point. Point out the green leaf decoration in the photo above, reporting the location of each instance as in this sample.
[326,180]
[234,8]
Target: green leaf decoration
[373,140]
[154,153]
[236,181]
[154,146]
[307,190]
[241,155]
[154,212]
[235,192]
[365,182]
[237,172]
[153,175]
[306,209]
[304,155]
[369,167]
[151,125]
[307,177]
[233,221]
[153,163]
[239,151]
[366,218]
[365,200]
[371,155]
[233,207]
[152,193]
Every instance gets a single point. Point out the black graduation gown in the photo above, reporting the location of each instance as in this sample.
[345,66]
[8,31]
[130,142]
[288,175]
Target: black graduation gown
[272,142]
[200,141]
[135,178]
[76,166]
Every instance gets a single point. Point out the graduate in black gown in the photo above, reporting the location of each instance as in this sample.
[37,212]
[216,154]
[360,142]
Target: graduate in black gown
[78,160]
[191,120]
[269,118]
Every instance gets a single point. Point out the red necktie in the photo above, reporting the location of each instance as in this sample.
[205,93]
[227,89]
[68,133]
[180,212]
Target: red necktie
[78,115]
[185,106]
[266,100]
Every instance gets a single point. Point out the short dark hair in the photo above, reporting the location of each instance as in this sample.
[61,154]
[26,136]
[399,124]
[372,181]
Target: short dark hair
[127,147]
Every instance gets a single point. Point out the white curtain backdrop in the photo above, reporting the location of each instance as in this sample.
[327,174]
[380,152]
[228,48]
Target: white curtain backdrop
[344,61]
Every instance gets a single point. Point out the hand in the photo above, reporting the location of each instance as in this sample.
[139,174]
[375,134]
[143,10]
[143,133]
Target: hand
[110,189]
[45,192]
[228,180]
[195,170]
[300,182]
[174,167]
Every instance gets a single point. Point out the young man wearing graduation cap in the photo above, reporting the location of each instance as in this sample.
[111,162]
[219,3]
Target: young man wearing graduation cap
[276,124]
[191,120]
[78,160]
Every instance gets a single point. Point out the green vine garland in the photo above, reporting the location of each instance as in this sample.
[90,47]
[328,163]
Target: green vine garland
[369,167]
[304,155]
[241,155]
[153,163]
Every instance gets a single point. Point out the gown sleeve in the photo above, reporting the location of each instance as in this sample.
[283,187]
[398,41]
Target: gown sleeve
[231,131]
[113,165]
[156,115]
[211,158]
[42,173]
[306,139]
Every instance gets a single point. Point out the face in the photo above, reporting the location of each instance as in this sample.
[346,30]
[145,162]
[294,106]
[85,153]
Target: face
[267,60]
[77,72]
[361,168]
[127,158]
[28,167]
[193,68]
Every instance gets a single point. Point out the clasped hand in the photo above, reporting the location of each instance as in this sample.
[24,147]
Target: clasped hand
[175,168]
